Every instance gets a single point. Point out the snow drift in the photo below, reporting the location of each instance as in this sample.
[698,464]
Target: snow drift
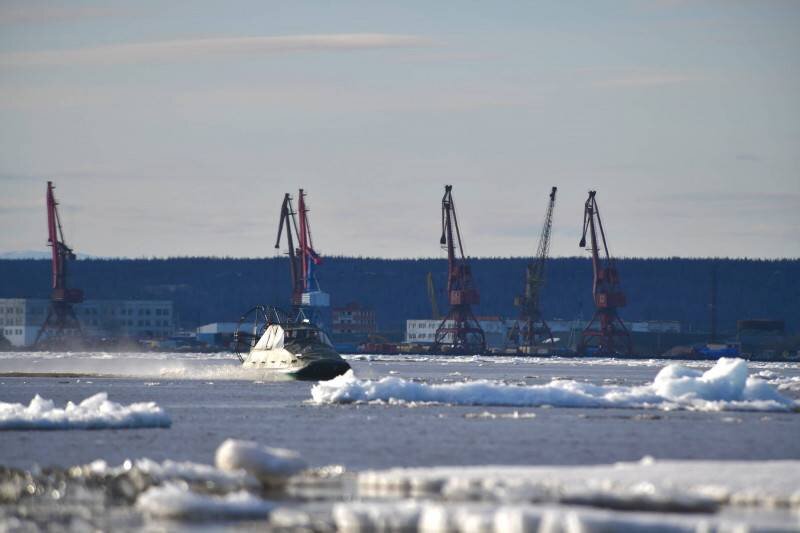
[725,386]
[95,412]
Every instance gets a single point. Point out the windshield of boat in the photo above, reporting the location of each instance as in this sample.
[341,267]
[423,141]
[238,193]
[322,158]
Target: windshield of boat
[302,334]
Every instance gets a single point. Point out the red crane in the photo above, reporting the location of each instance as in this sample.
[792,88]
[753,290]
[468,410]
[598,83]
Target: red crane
[308,257]
[303,258]
[288,221]
[605,334]
[61,319]
[459,331]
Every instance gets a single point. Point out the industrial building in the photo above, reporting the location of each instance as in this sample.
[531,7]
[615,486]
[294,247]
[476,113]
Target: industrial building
[352,319]
[216,333]
[22,318]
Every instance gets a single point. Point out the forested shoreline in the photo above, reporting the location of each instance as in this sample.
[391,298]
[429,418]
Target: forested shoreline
[218,289]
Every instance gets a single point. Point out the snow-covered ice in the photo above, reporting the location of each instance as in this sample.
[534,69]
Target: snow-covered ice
[644,485]
[95,412]
[169,470]
[269,465]
[725,386]
[175,500]
[640,496]
[649,495]
[430,517]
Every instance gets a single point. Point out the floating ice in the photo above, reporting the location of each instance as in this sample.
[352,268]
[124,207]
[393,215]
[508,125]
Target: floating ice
[374,516]
[169,470]
[644,496]
[649,485]
[95,412]
[513,415]
[269,465]
[428,517]
[726,386]
[175,500]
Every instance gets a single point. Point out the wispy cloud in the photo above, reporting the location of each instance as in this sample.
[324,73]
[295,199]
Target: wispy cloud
[622,78]
[31,12]
[644,79]
[177,50]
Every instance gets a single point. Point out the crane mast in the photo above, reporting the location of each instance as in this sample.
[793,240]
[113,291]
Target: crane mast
[605,334]
[61,320]
[534,328]
[288,221]
[309,258]
[459,331]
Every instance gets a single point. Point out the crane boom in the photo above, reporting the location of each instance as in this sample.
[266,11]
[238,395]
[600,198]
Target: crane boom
[459,331]
[605,334]
[534,328]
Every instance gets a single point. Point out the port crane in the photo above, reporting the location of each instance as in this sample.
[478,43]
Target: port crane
[288,221]
[459,331]
[534,329]
[605,334]
[61,320]
[302,256]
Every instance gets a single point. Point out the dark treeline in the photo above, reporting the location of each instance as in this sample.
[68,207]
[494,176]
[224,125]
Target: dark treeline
[220,289]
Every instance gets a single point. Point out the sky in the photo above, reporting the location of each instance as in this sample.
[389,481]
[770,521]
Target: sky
[175,128]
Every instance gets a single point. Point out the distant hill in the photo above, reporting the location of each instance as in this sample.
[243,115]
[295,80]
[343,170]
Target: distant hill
[216,289]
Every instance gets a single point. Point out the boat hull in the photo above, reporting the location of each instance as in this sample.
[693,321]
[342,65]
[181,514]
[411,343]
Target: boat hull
[316,365]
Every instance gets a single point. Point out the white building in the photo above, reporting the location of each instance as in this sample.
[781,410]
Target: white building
[496,329]
[22,318]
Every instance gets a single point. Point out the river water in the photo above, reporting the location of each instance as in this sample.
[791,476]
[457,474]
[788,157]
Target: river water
[210,399]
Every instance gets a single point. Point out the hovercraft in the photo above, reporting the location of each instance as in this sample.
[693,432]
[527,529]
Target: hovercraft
[268,338]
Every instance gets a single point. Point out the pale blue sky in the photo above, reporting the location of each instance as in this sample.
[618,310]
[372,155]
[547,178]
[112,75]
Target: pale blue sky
[175,128]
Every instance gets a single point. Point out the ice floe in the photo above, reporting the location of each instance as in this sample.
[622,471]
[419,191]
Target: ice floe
[513,415]
[269,465]
[95,412]
[175,500]
[168,471]
[646,485]
[430,517]
[640,496]
[725,386]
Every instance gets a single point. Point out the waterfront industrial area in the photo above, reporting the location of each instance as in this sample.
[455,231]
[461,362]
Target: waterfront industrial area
[69,320]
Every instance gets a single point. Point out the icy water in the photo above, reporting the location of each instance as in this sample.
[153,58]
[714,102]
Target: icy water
[210,399]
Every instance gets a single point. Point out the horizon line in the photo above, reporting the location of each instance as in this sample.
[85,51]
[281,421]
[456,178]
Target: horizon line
[90,257]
